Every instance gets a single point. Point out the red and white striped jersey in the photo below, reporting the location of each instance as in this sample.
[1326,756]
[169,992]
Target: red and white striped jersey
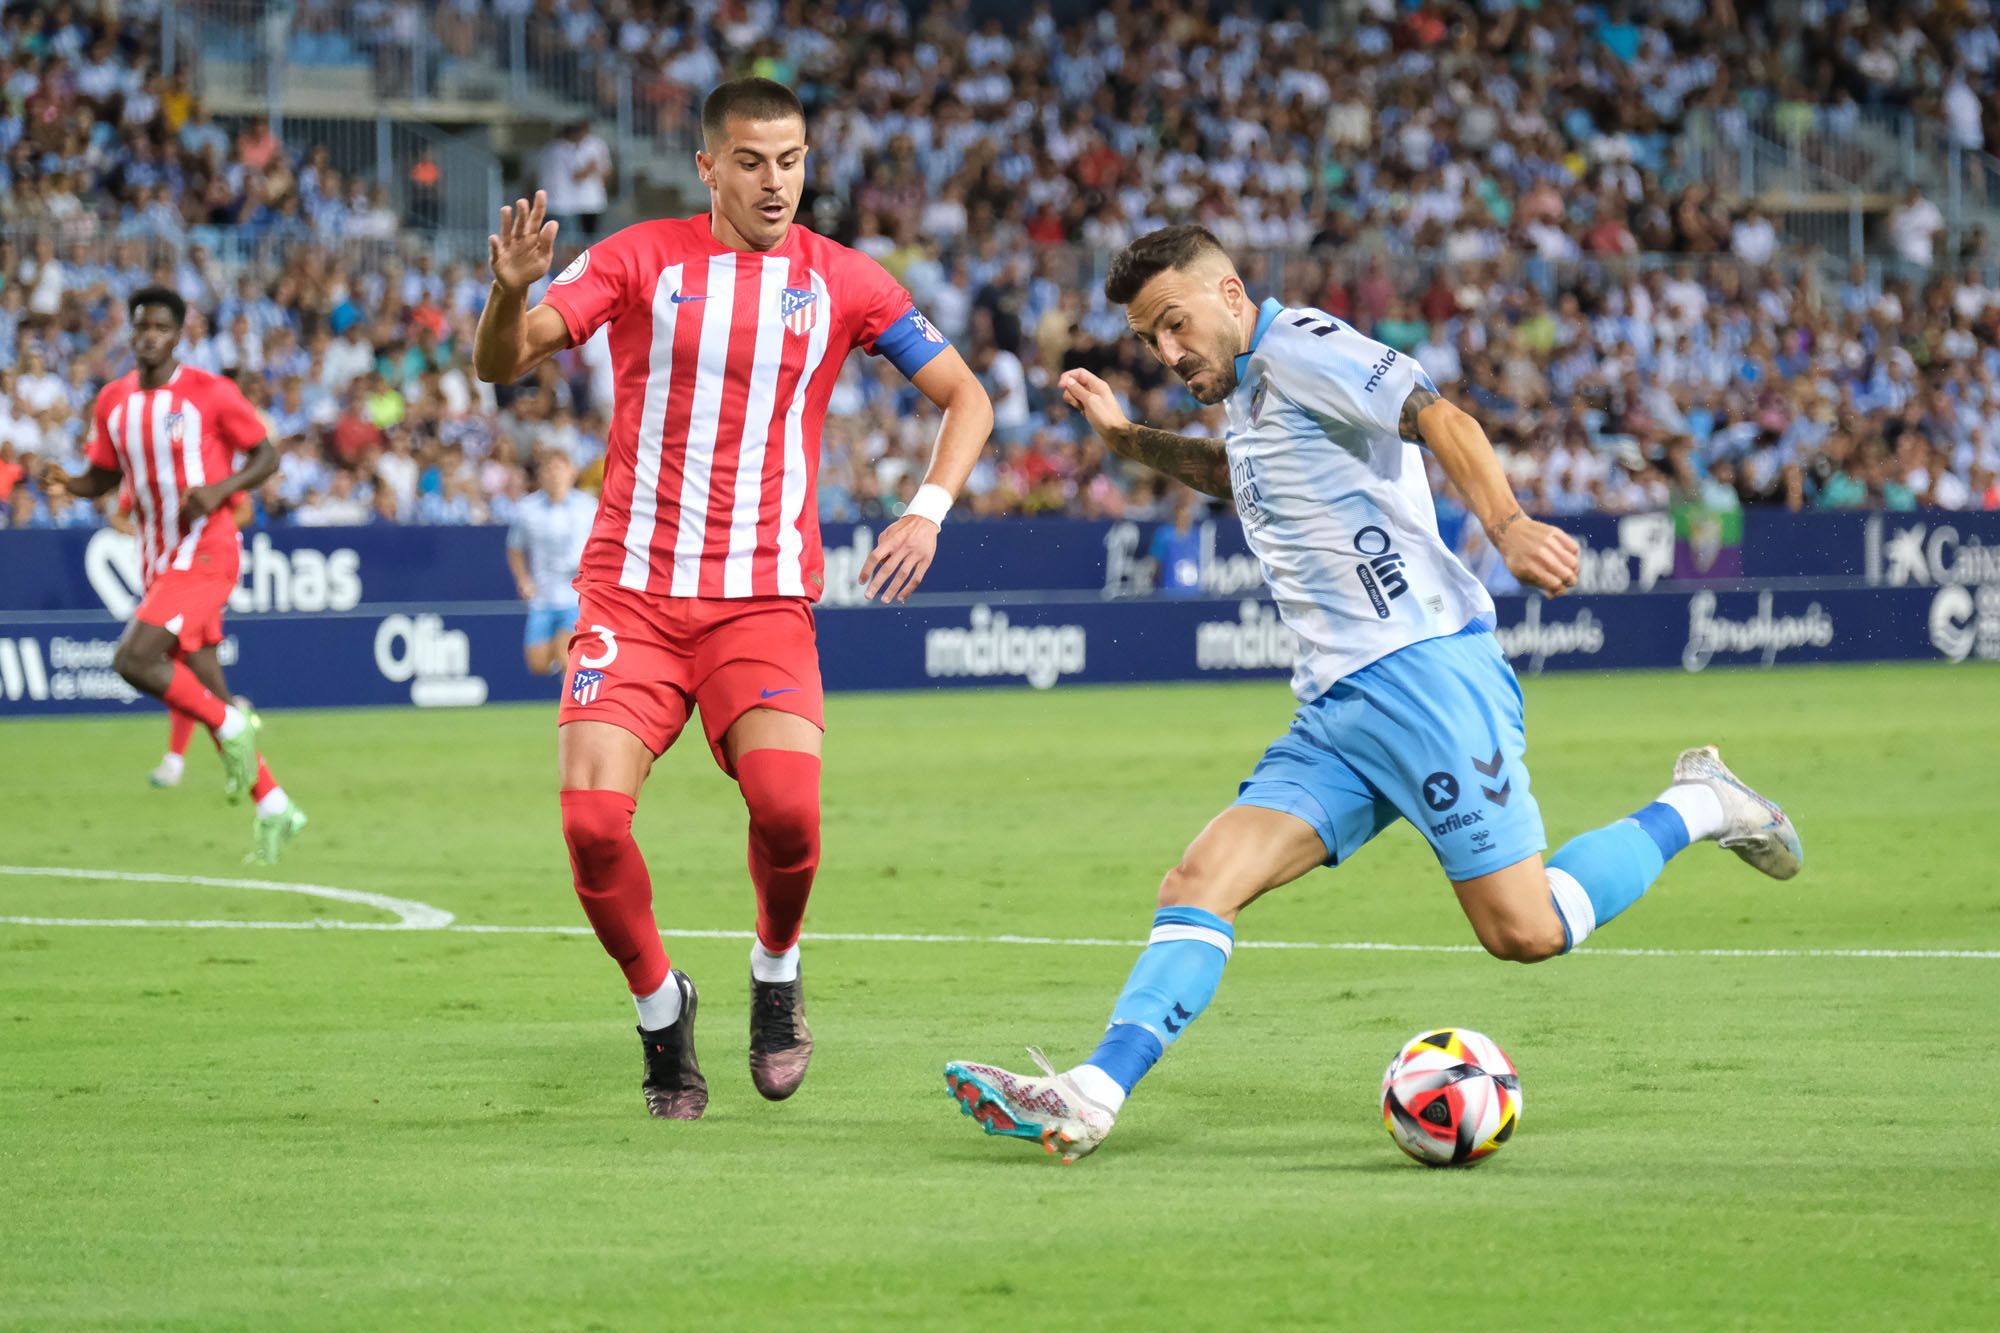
[188,432]
[723,361]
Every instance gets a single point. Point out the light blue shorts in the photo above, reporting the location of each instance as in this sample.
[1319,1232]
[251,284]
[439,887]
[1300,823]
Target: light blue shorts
[545,622]
[1432,734]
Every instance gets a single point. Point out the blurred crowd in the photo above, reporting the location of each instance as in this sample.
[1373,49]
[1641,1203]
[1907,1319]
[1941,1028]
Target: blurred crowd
[1492,188]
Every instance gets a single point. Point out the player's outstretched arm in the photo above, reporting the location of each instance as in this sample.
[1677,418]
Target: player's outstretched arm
[88,484]
[904,554]
[511,339]
[1539,555]
[1201,463]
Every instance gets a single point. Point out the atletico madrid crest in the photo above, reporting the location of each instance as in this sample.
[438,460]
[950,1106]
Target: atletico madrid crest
[799,306]
[177,427]
[584,685]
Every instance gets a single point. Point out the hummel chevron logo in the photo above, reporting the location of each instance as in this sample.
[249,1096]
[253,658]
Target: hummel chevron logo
[678,297]
[1491,768]
[1180,1013]
[1499,797]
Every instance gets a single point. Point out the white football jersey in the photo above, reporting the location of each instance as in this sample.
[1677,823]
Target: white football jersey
[1335,503]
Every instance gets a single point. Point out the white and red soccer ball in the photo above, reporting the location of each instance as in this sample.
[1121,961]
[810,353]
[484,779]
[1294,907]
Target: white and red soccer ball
[1451,1097]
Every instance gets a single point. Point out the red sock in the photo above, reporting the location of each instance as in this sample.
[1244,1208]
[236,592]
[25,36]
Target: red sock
[180,726]
[781,788]
[612,883]
[264,783]
[187,694]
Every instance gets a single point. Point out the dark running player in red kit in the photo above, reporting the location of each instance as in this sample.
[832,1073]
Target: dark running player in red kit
[175,433]
[727,332]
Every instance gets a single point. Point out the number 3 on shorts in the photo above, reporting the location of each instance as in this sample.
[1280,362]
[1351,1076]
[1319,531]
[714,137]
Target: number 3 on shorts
[610,654]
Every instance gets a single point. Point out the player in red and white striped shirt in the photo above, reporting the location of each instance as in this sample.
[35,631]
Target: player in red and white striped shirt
[174,434]
[727,331]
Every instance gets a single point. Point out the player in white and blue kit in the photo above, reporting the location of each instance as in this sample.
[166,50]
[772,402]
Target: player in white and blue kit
[1408,709]
[544,546]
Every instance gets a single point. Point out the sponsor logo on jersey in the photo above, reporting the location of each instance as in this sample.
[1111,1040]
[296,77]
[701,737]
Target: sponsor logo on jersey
[574,271]
[799,306]
[1382,576]
[1378,370]
[585,685]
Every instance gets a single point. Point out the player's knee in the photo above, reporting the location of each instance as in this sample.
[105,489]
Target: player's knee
[595,830]
[1190,884]
[133,664]
[786,823]
[1523,942]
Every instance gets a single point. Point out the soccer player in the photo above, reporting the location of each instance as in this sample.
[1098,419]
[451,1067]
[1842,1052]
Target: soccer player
[168,428]
[1408,708]
[205,665]
[727,331]
[544,549]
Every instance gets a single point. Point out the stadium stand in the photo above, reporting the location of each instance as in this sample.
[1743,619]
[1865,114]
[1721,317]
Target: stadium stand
[1653,285]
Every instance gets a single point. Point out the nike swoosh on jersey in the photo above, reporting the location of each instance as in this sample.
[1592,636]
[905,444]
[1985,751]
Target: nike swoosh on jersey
[678,297]
[789,689]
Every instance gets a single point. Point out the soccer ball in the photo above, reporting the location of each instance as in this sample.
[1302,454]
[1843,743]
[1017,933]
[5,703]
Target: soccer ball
[1451,1097]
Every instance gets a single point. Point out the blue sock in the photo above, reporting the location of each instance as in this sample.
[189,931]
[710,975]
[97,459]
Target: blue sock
[1170,985]
[1596,875]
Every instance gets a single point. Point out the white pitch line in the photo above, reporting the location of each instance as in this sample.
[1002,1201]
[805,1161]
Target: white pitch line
[409,914]
[416,916]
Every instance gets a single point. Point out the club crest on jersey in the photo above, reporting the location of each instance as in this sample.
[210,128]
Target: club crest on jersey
[1257,401]
[573,272]
[177,427]
[584,686]
[799,306]
[925,327]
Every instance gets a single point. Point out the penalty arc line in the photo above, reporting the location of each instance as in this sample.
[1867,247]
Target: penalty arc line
[422,917]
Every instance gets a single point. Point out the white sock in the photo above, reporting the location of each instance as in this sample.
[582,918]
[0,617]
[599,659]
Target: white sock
[767,967]
[1099,1086]
[273,802]
[1698,806]
[661,1009]
[173,765]
[233,723]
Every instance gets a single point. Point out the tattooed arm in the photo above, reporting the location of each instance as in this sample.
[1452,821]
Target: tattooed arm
[1200,463]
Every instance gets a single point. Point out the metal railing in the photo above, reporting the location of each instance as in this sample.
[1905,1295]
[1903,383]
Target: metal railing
[403,56]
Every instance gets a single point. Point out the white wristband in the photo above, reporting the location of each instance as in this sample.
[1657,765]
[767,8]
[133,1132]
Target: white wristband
[932,502]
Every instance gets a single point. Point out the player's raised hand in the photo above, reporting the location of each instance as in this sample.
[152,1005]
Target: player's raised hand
[1093,397]
[900,559]
[525,245]
[1539,555]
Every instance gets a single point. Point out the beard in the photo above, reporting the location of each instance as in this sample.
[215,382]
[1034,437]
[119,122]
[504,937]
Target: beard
[1222,382]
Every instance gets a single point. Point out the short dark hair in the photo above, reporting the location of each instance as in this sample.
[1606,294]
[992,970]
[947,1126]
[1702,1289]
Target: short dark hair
[166,296]
[1153,254]
[750,99]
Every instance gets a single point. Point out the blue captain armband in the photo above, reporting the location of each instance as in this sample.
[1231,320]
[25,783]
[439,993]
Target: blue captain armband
[910,343]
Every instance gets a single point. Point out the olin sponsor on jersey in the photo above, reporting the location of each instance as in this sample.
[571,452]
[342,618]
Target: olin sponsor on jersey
[1926,555]
[1537,640]
[1381,572]
[1256,640]
[1765,633]
[1038,654]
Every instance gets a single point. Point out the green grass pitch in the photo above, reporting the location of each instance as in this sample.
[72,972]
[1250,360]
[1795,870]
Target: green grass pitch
[263,1129]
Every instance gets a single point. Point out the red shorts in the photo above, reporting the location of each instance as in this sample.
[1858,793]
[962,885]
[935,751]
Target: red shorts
[645,662]
[188,603]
